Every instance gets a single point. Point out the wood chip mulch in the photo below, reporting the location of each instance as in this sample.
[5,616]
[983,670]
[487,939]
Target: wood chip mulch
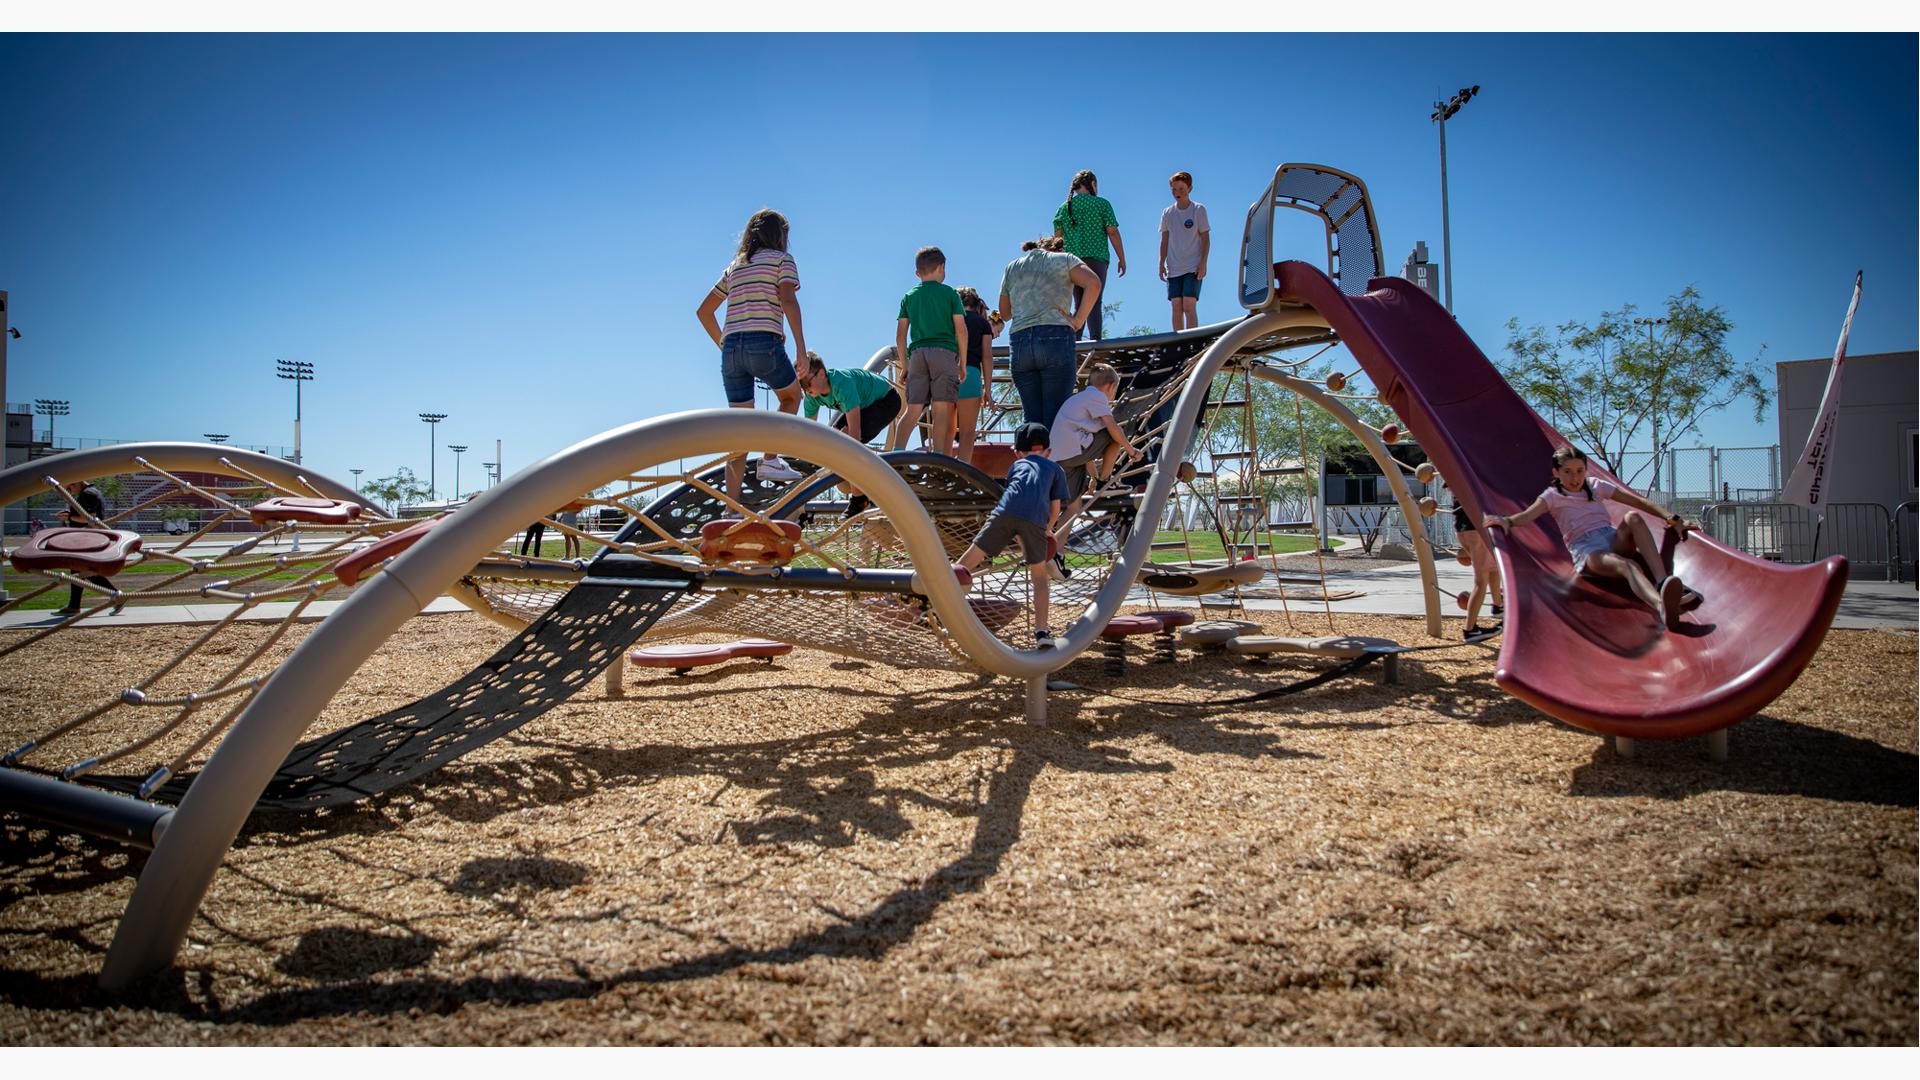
[826,851]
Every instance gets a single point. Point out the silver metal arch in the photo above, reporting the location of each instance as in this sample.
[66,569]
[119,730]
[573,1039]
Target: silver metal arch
[189,853]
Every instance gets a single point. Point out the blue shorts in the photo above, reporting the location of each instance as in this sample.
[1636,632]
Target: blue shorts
[1592,542]
[970,389]
[753,354]
[1181,285]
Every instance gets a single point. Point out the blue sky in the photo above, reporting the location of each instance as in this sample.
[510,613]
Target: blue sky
[515,230]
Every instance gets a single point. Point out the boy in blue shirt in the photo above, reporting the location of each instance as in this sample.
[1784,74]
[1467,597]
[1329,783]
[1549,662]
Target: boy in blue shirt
[1028,507]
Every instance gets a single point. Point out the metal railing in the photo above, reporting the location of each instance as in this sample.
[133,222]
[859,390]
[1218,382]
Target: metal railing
[1906,546]
[1791,533]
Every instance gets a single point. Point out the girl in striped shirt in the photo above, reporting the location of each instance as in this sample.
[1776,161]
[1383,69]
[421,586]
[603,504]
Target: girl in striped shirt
[759,287]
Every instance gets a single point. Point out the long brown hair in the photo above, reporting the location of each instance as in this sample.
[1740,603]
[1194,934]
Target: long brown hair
[1084,180]
[765,229]
[1561,457]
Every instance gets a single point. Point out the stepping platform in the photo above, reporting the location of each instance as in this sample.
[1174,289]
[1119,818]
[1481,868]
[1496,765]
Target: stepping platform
[82,551]
[355,566]
[1121,627]
[684,658]
[1346,647]
[996,614]
[284,509]
[1215,633]
[1177,580]
[737,540]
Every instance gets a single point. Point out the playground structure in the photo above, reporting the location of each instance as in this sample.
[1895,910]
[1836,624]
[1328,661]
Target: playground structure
[775,564]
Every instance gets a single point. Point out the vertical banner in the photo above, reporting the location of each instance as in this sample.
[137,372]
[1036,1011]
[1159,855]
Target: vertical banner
[1808,484]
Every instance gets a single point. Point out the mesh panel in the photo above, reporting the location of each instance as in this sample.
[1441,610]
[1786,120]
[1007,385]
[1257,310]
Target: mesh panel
[1256,256]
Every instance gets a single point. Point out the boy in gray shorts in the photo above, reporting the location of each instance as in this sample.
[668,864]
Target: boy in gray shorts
[932,314]
[1028,507]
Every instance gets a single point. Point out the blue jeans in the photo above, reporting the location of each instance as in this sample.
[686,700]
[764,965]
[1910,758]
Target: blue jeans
[1043,370]
[1094,322]
[747,355]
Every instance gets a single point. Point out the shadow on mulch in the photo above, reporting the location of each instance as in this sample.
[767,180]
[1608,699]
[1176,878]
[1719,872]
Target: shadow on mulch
[892,921]
[1767,756]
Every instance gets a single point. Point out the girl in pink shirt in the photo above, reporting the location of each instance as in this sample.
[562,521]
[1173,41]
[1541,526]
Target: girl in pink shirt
[1578,506]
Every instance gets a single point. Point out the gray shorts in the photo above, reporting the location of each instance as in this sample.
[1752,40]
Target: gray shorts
[933,375]
[1000,530]
[1101,440]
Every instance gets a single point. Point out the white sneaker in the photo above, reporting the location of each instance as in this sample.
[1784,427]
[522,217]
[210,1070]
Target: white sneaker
[772,467]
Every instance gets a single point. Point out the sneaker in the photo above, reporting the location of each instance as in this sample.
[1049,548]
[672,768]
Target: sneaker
[1689,599]
[856,505]
[1060,568]
[72,610]
[1043,639]
[1497,610]
[1671,591]
[1480,633]
[772,467]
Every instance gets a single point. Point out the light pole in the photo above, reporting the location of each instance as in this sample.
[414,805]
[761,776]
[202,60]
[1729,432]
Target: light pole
[1442,112]
[51,408]
[490,466]
[1650,324]
[299,371]
[356,479]
[215,439]
[432,418]
[457,451]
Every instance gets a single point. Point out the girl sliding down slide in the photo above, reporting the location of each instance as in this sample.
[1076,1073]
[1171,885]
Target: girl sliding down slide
[1630,551]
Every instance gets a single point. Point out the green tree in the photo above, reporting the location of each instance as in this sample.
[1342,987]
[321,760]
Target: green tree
[1618,384]
[401,489]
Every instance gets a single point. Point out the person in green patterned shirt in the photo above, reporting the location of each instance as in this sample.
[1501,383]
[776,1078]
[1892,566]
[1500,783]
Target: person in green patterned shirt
[1087,223]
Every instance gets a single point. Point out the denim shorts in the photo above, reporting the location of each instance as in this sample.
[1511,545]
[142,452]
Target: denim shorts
[747,355]
[1180,285]
[970,388]
[1592,542]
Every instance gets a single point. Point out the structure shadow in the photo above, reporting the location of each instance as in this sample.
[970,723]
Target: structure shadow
[1767,756]
[824,788]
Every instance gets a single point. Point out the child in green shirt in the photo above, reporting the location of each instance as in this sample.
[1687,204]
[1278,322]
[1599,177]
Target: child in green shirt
[929,360]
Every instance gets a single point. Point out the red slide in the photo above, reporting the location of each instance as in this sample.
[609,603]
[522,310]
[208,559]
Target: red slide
[1589,655]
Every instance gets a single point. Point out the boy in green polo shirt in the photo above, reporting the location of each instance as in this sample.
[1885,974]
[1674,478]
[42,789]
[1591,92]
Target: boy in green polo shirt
[866,402]
[929,360]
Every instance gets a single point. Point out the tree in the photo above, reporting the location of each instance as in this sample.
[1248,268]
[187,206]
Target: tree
[1616,383]
[401,489]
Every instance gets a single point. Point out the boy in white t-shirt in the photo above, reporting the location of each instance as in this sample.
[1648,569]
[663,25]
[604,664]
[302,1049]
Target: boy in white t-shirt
[1184,243]
[1579,508]
[1086,440]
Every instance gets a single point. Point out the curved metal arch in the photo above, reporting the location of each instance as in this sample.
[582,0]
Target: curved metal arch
[204,825]
[190,852]
[1389,466]
[28,478]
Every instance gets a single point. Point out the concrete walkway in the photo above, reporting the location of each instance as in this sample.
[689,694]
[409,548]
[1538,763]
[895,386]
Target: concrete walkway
[1385,590]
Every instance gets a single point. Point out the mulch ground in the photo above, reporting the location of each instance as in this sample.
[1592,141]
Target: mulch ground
[835,852]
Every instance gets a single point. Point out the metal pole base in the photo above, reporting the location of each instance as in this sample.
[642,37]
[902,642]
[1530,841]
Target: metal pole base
[1717,746]
[1623,746]
[1037,700]
[617,676]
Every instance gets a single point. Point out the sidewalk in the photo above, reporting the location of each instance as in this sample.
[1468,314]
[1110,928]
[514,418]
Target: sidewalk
[1384,590]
